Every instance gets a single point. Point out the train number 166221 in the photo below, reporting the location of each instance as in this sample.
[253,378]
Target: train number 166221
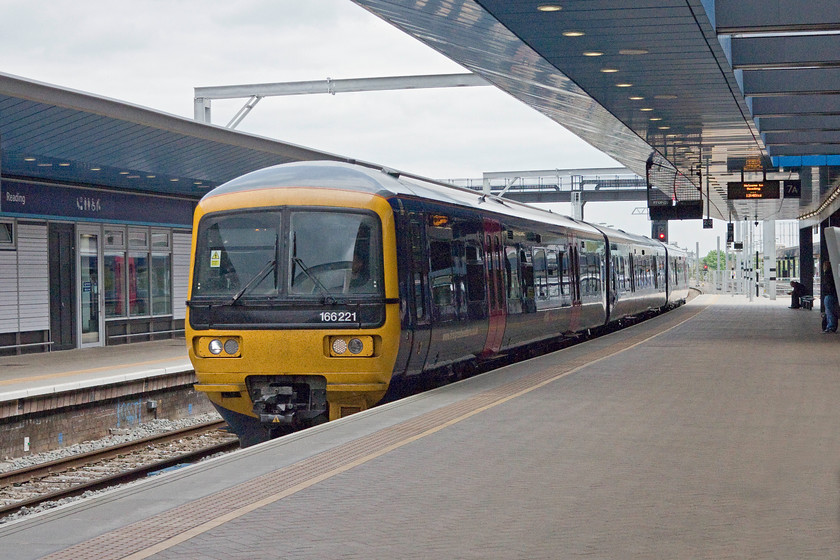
[338,317]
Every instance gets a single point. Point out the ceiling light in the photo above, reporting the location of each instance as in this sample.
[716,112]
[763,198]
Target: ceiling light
[609,70]
[549,8]
[64,165]
[123,172]
[666,96]
[656,118]
[96,169]
[646,109]
[635,98]
[633,51]
[664,128]
[573,33]
[623,84]
[150,176]
[29,159]
[593,53]
[173,180]
[44,165]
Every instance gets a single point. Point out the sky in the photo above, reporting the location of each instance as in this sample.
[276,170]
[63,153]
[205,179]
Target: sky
[153,53]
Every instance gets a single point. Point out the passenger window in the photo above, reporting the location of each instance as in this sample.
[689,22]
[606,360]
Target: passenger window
[475,273]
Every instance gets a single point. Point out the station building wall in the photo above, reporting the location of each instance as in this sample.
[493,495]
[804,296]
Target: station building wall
[90,267]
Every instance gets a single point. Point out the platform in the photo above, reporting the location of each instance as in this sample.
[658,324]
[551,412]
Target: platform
[28,375]
[708,432]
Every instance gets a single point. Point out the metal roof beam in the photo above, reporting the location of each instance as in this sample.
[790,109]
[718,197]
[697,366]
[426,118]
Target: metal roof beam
[796,80]
[802,137]
[340,86]
[786,105]
[803,150]
[763,16]
[789,51]
[805,122]
[586,172]
[255,92]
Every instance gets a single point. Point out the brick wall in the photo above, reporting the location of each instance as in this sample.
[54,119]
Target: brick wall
[59,420]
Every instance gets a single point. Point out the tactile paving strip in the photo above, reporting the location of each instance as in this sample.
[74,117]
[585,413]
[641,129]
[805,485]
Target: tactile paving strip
[145,538]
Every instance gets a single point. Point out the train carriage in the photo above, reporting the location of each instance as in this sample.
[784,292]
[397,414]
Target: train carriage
[317,286]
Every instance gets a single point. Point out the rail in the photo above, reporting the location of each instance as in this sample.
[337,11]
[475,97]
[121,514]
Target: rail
[37,472]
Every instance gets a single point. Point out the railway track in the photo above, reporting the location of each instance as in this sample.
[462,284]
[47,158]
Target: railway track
[73,476]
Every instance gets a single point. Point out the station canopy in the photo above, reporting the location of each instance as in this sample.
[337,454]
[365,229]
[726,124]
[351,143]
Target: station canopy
[57,134]
[667,87]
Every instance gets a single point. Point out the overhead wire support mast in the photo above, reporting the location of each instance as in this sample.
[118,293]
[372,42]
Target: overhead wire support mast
[255,92]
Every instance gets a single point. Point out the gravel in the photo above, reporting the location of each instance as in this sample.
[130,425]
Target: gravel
[118,436]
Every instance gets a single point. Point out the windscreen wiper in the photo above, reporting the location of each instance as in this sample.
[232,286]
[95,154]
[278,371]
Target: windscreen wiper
[269,266]
[328,297]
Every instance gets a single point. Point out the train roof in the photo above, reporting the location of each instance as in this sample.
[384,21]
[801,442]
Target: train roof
[388,184]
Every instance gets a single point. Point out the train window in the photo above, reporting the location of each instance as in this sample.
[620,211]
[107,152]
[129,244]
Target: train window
[233,250]
[440,276]
[514,290]
[334,252]
[418,256]
[497,259]
[540,274]
[475,273]
[552,270]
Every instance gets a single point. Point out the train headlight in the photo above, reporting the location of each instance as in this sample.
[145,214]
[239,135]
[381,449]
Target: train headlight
[350,346]
[215,347]
[355,346]
[231,346]
[339,346]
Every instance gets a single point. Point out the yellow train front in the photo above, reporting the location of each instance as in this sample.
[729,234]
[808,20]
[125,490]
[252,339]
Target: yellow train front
[293,311]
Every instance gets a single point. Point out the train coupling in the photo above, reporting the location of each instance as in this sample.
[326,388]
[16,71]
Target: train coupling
[279,400]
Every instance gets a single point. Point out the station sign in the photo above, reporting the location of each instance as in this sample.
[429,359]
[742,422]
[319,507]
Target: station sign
[23,198]
[753,190]
[792,189]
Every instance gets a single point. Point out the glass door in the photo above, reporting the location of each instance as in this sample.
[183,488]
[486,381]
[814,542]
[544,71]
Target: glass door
[90,303]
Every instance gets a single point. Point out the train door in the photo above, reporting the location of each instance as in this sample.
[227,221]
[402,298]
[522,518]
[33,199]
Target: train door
[494,269]
[418,327]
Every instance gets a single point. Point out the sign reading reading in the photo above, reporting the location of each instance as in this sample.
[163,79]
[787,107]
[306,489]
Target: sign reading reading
[744,190]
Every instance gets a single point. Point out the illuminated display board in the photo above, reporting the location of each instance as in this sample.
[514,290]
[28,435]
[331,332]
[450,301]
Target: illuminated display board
[747,190]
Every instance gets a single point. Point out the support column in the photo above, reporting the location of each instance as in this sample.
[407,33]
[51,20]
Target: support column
[577,197]
[806,258]
[769,234]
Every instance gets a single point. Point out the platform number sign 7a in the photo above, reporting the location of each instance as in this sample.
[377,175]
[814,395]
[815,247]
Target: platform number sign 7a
[792,189]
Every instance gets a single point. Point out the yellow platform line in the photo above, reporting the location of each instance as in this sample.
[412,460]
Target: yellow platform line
[59,375]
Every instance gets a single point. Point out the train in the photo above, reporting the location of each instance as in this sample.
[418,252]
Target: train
[317,287]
